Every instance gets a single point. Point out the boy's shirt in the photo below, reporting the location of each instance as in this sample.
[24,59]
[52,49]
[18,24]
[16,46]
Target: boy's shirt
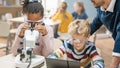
[88,54]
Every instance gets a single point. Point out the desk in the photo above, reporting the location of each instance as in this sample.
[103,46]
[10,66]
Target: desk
[17,19]
[14,10]
[8,61]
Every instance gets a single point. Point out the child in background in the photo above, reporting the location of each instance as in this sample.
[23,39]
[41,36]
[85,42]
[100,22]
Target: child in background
[79,12]
[78,48]
[63,16]
[35,12]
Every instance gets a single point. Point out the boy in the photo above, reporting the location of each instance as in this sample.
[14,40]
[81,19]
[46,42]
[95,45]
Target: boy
[78,48]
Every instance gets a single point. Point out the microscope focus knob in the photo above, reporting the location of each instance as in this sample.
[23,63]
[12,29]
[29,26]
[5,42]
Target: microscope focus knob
[21,43]
[37,43]
[19,50]
[22,56]
[29,51]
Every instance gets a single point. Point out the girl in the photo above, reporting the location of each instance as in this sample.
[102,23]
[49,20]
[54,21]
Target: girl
[35,12]
[63,16]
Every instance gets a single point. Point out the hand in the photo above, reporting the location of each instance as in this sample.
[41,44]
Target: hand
[60,10]
[115,62]
[41,29]
[21,34]
[81,67]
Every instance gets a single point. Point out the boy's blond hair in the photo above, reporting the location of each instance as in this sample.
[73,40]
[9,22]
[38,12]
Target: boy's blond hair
[81,27]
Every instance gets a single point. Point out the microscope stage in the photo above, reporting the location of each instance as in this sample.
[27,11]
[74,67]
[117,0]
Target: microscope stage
[36,61]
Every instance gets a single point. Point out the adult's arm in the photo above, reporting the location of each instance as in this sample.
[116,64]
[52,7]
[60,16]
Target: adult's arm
[96,23]
[116,50]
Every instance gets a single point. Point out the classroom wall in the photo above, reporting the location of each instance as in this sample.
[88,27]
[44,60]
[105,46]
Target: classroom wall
[90,10]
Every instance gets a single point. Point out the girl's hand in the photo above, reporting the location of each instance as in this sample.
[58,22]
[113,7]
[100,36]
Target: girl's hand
[41,29]
[21,34]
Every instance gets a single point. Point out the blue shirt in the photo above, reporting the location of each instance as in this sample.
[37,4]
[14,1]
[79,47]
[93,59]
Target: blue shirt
[112,21]
[82,16]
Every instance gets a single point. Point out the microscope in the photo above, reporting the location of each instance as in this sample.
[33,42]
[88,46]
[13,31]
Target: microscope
[26,58]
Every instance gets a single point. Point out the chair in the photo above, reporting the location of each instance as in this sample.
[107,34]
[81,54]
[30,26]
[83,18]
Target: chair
[7,17]
[12,30]
[4,32]
[7,32]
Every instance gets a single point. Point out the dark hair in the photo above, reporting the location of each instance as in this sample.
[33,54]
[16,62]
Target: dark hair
[33,6]
[64,5]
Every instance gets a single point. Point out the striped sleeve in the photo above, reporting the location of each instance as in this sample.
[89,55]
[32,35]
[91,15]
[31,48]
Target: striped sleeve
[93,52]
[97,61]
[58,53]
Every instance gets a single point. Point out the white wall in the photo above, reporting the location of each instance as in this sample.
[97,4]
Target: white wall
[50,5]
[90,10]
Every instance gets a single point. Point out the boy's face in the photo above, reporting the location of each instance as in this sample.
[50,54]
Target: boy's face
[79,42]
[97,3]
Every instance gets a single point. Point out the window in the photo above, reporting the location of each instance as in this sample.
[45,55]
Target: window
[50,6]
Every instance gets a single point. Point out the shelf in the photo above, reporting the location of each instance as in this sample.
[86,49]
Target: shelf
[10,6]
[15,10]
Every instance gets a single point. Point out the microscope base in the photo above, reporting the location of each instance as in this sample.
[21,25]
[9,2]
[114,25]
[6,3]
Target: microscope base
[36,62]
